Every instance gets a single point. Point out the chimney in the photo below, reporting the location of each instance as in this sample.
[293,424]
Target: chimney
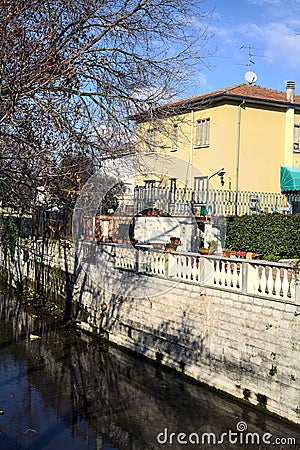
[290,91]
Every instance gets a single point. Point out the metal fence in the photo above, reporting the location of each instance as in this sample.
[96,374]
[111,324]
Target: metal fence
[184,201]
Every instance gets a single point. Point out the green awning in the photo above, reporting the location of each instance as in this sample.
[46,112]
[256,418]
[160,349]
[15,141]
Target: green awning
[289,178]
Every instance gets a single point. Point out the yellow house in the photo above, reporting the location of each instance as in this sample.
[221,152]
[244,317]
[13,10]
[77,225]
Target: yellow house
[247,130]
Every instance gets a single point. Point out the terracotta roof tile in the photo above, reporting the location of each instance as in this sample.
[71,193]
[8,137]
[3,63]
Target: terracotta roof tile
[242,89]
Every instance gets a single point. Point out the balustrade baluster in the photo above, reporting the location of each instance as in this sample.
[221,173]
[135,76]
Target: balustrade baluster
[232,265]
[274,277]
[225,266]
[267,272]
[289,278]
[238,274]
[260,270]
[281,282]
[215,271]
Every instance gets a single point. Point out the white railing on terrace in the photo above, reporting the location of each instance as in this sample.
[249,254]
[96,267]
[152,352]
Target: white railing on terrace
[183,201]
[256,278]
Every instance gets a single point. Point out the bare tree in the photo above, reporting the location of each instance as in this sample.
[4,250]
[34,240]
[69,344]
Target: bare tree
[73,72]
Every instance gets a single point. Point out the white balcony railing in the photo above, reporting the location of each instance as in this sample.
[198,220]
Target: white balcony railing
[184,201]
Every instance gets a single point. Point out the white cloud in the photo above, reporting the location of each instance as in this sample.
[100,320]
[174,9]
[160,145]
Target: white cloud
[278,42]
[281,44]
[202,80]
[286,11]
[266,2]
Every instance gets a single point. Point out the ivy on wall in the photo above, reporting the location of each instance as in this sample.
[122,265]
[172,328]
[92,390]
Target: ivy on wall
[273,236]
[8,234]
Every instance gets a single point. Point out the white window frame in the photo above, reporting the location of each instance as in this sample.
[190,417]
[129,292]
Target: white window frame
[203,133]
[152,138]
[175,137]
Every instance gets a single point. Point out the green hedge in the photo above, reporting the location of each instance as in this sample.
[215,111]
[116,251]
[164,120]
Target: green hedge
[273,236]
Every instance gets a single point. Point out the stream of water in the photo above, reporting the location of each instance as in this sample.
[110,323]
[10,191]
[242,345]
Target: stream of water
[61,389]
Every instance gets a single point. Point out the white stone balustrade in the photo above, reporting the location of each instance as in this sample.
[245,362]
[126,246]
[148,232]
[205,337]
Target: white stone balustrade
[252,277]
[264,279]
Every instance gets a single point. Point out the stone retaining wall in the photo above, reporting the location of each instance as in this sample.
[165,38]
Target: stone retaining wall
[246,346]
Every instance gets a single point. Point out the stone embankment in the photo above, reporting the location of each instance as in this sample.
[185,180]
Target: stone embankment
[232,324]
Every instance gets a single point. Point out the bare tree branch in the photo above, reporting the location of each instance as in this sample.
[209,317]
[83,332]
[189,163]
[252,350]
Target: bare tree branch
[73,72]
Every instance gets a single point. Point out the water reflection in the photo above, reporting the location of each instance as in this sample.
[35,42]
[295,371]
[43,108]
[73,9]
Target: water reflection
[66,389]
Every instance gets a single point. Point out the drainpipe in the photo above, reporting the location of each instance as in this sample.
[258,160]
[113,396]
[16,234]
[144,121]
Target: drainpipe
[241,105]
[191,148]
[289,124]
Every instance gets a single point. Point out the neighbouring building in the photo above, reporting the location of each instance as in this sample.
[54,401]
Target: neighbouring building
[248,130]
[247,134]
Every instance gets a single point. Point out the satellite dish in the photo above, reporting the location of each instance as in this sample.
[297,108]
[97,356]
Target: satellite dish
[251,77]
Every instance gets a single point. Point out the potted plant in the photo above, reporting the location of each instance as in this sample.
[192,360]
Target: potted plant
[170,247]
[203,251]
[175,240]
[213,246]
[228,253]
[210,250]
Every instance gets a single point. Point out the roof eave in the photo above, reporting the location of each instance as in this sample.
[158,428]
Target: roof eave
[209,101]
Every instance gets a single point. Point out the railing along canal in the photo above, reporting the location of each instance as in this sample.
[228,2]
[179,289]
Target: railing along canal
[263,279]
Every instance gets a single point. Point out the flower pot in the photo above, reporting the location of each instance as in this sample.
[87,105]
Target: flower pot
[228,253]
[250,255]
[204,251]
[170,247]
[175,240]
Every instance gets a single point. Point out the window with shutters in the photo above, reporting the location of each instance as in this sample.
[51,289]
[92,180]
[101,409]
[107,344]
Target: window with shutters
[203,133]
[175,137]
[152,139]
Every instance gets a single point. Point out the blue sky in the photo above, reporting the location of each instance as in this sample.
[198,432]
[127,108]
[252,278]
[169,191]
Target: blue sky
[268,27]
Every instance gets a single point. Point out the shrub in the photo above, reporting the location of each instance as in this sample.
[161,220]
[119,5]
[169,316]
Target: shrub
[271,235]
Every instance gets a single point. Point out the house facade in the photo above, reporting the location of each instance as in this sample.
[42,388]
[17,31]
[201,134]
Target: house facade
[248,131]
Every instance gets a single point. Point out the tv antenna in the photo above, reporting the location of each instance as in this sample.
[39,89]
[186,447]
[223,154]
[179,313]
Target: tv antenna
[249,76]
